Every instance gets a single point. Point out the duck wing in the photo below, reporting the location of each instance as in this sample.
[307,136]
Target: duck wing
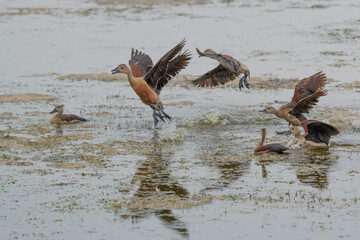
[309,86]
[140,63]
[167,67]
[278,148]
[273,147]
[71,117]
[319,132]
[305,104]
[174,67]
[218,76]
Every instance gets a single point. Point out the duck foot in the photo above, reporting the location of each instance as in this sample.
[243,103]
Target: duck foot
[156,121]
[166,116]
[164,113]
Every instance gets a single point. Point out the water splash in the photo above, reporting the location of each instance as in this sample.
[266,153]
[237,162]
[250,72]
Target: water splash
[169,132]
[213,117]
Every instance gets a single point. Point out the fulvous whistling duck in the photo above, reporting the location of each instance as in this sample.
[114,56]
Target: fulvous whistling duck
[147,80]
[269,148]
[228,69]
[317,134]
[61,118]
[306,95]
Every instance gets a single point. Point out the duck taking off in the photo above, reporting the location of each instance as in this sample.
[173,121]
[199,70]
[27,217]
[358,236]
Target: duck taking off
[269,148]
[61,118]
[228,69]
[306,95]
[317,134]
[147,79]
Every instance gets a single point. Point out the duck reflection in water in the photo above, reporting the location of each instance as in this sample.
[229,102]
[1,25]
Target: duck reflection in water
[154,180]
[314,169]
[311,166]
[230,163]
[58,129]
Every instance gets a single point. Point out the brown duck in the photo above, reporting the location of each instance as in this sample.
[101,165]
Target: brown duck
[147,79]
[306,95]
[61,118]
[228,69]
[317,134]
[269,148]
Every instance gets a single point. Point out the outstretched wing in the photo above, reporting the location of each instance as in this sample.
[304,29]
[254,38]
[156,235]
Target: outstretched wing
[218,76]
[167,67]
[174,67]
[320,132]
[309,86]
[140,63]
[307,103]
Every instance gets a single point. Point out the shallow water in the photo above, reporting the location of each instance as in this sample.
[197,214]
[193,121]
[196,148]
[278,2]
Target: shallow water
[118,177]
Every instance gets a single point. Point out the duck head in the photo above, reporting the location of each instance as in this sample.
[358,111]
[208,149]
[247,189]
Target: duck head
[58,108]
[209,52]
[269,109]
[206,52]
[295,131]
[121,68]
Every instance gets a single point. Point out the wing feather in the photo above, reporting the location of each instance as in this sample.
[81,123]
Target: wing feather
[174,67]
[305,104]
[218,76]
[309,86]
[140,63]
[161,68]
[320,132]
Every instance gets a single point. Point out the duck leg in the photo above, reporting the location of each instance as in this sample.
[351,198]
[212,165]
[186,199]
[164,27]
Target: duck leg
[166,115]
[157,115]
[243,81]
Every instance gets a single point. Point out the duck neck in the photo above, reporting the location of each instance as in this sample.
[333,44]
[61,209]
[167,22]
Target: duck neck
[261,143]
[131,79]
[277,113]
[58,114]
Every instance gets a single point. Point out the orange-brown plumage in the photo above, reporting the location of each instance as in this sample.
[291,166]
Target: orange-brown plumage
[146,94]
[147,79]
[61,118]
[306,95]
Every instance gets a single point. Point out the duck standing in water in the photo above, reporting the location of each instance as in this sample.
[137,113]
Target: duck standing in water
[317,134]
[61,118]
[147,80]
[306,95]
[269,148]
[228,69]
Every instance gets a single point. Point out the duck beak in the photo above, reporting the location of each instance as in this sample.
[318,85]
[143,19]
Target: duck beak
[115,70]
[53,111]
[263,111]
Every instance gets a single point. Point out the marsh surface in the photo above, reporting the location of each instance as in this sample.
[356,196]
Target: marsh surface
[118,177]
